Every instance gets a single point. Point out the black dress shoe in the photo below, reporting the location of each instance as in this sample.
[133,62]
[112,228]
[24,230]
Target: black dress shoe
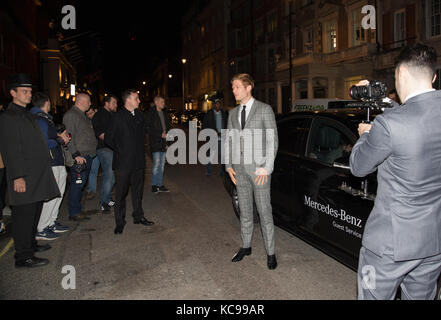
[119,230]
[241,253]
[272,262]
[31,263]
[145,222]
[41,248]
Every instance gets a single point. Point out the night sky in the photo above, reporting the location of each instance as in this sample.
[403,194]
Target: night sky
[154,26]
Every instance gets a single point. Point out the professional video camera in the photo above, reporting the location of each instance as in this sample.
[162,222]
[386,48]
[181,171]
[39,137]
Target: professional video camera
[374,91]
[370,97]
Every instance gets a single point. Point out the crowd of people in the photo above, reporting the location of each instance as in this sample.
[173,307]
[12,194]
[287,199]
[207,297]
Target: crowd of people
[40,160]
[402,236]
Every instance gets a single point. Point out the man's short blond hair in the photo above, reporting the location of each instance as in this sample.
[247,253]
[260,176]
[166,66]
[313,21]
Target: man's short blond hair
[245,78]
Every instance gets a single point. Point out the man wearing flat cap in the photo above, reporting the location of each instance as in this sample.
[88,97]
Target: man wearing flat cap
[28,171]
[216,119]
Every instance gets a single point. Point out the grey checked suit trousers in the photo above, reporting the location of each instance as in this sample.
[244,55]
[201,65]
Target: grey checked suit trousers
[260,117]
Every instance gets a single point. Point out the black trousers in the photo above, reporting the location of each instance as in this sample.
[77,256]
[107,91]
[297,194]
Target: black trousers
[2,191]
[123,181]
[24,227]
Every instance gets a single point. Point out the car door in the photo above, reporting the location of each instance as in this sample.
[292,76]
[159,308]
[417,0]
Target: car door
[336,203]
[293,135]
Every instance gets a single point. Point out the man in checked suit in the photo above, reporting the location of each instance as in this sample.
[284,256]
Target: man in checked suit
[402,237]
[253,131]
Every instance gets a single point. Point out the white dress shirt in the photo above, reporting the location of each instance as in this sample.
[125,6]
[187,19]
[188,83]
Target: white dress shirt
[249,105]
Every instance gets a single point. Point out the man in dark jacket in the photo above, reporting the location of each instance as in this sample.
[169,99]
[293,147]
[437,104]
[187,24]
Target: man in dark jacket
[29,174]
[125,136]
[48,227]
[83,150]
[158,124]
[101,122]
[216,119]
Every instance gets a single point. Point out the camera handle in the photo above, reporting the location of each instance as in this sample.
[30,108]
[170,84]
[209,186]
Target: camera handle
[368,121]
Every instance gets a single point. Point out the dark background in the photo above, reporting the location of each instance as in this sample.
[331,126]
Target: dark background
[133,37]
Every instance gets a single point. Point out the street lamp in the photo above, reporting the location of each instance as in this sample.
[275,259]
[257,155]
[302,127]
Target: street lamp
[170,76]
[184,61]
[144,83]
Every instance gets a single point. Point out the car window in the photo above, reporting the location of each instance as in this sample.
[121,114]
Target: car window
[329,142]
[293,135]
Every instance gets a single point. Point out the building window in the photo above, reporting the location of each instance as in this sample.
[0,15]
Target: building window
[331,36]
[308,41]
[400,28]
[434,7]
[272,23]
[358,33]
[259,32]
[271,61]
[302,89]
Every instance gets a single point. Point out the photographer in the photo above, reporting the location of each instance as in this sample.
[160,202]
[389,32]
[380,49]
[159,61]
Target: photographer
[402,237]
[48,228]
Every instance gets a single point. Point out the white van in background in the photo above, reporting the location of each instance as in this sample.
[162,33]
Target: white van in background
[320,104]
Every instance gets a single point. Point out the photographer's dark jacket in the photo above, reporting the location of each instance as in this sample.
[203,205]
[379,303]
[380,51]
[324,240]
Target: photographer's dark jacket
[26,155]
[125,136]
[155,129]
[49,130]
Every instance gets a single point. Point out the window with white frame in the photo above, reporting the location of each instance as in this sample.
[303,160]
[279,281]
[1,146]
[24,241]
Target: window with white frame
[400,27]
[331,36]
[357,32]
[434,17]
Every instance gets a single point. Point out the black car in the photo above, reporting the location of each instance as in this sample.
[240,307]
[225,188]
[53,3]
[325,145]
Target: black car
[313,193]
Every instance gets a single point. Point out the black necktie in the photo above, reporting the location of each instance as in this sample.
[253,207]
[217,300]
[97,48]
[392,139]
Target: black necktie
[243,117]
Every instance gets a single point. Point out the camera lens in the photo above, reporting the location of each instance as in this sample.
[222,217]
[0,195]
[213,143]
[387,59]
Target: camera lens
[359,93]
[354,93]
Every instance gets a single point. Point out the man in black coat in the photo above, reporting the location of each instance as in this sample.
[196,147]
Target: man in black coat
[29,173]
[125,136]
[216,119]
[158,124]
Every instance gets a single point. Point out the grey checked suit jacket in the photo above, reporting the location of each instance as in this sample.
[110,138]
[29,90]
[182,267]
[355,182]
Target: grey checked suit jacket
[261,117]
[404,144]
